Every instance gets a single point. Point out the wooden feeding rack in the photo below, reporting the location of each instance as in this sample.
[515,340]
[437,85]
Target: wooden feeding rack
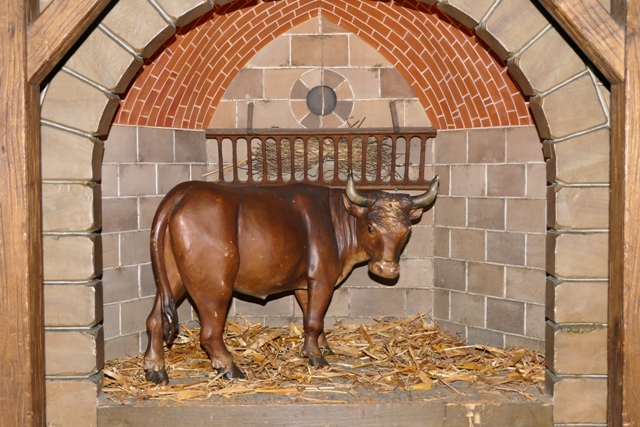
[378,158]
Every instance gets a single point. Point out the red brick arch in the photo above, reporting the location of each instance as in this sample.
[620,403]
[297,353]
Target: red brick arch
[458,81]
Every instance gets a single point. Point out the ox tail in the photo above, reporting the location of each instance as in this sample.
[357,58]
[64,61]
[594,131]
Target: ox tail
[159,227]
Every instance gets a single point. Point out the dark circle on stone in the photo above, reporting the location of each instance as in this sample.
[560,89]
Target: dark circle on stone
[321,100]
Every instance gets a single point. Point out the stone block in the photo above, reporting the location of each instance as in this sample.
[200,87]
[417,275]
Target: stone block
[486,279]
[486,213]
[190,146]
[506,180]
[339,306]
[103,61]
[570,109]
[511,26]
[181,12]
[415,273]
[449,274]
[419,301]
[73,305]
[121,145]
[450,212]
[578,208]
[577,302]
[120,214]
[450,147]
[155,145]
[73,402]
[247,84]
[139,25]
[420,244]
[467,309]
[137,180]
[523,145]
[536,250]
[576,349]
[74,353]
[134,247]
[506,248]
[74,103]
[171,175]
[526,215]
[274,54]
[487,146]
[441,303]
[468,180]
[122,346]
[133,315]
[377,302]
[394,85]
[72,257]
[362,54]
[579,160]
[148,207]
[468,245]
[548,62]
[578,399]
[526,284]
[120,284]
[505,315]
[485,337]
[578,255]
[441,242]
[467,12]
[70,157]
[535,322]
[71,207]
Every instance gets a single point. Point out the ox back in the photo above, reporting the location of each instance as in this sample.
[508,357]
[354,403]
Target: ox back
[210,239]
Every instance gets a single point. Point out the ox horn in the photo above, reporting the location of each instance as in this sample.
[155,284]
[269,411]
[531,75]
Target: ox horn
[353,194]
[424,199]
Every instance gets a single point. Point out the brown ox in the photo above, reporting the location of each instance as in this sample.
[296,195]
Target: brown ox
[209,239]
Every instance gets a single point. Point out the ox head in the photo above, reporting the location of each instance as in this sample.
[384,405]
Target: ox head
[384,223]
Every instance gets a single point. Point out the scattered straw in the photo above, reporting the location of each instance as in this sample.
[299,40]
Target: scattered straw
[411,354]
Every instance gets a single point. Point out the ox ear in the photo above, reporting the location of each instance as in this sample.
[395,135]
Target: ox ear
[352,208]
[416,213]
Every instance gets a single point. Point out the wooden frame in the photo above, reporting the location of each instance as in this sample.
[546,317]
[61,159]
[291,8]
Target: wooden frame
[30,50]
[610,41]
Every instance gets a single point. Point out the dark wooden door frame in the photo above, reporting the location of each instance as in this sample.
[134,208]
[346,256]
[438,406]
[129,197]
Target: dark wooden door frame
[32,47]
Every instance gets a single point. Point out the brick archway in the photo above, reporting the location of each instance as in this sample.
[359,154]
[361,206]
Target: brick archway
[182,85]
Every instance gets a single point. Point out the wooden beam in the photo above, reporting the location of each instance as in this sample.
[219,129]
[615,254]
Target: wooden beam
[55,31]
[624,257]
[594,31]
[22,392]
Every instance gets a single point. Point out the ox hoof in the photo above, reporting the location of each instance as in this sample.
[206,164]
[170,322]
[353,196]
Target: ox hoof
[326,351]
[157,377]
[318,361]
[232,374]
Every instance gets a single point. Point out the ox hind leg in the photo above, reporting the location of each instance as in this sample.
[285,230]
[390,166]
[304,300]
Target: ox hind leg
[318,299]
[154,356]
[302,296]
[212,289]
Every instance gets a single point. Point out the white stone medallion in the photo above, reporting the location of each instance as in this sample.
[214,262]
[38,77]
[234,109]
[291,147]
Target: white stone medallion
[321,99]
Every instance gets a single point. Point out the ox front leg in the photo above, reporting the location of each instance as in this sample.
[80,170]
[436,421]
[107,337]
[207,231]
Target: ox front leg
[317,303]
[302,296]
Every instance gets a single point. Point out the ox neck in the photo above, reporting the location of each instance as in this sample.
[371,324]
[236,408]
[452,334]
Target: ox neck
[346,226]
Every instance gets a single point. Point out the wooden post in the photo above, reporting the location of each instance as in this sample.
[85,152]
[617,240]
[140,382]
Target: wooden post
[21,309]
[624,296]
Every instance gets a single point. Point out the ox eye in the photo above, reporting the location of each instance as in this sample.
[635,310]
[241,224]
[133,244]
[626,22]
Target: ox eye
[370,229]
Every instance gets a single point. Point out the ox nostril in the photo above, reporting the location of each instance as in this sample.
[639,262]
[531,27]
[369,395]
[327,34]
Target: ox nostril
[377,268]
